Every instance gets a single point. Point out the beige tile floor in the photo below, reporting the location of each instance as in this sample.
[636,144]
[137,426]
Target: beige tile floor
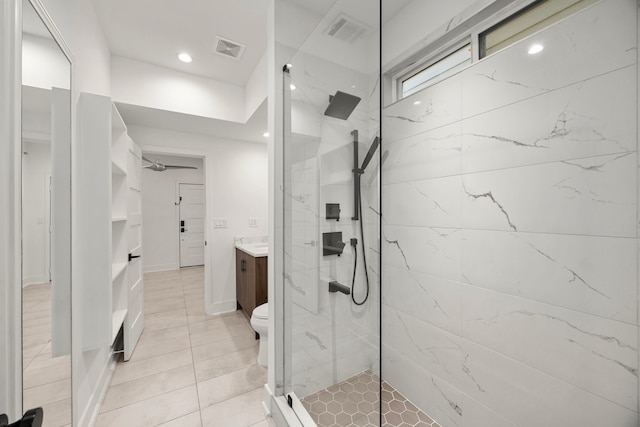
[189,369]
[356,402]
[46,379]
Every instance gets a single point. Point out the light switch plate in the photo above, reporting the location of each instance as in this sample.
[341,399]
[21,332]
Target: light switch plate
[253,222]
[220,223]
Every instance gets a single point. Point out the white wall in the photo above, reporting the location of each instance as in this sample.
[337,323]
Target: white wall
[255,92]
[160,216]
[236,182]
[36,169]
[147,85]
[510,254]
[77,21]
[39,54]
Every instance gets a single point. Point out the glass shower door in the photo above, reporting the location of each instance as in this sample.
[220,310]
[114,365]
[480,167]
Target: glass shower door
[331,300]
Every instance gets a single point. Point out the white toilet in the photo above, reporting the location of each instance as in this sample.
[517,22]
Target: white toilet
[260,324]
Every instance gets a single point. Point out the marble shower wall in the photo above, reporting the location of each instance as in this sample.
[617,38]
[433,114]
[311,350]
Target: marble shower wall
[510,242]
[331,339]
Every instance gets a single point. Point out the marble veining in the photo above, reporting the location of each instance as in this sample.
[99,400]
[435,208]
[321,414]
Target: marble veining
[575,277]
[534,144]
[489,195]
[316,339]
[606,338]
[300,290]
[467,371]
[556,269]
[510,232]
[396,243]
[453,405]
[426,111]
[492,77]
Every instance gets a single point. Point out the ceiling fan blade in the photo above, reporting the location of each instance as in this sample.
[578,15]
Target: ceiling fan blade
[147,166]
[179,167]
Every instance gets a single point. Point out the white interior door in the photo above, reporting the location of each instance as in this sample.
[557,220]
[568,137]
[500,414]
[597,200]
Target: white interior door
[191,224]
[134,321]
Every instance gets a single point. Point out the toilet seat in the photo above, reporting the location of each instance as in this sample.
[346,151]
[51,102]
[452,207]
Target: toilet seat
[261,312]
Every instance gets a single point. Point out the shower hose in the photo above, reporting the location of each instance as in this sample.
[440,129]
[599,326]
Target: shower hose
[354,243]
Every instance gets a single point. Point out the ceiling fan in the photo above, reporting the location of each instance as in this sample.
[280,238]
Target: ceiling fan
[161,167]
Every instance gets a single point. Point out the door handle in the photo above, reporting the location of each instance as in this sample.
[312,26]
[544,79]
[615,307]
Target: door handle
[132,257]
[242,265]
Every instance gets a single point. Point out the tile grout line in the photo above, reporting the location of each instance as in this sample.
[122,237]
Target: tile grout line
[190,323]
[193,364]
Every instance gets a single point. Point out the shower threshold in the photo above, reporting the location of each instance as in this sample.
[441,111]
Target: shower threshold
[355,402]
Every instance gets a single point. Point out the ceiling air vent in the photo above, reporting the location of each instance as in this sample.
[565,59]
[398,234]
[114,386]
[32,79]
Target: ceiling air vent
[229,48]
[346,29]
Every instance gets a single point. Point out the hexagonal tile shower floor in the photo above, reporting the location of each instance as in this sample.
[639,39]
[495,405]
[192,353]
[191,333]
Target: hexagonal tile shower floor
[354,402]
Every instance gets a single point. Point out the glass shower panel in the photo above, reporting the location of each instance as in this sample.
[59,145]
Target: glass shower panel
[331,315]
[510,250]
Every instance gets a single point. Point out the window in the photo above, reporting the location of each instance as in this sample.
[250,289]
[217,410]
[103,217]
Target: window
[437,71]
[475,38]
[533,18]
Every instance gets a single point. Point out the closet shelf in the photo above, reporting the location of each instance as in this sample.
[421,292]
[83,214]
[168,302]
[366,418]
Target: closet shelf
[117,269]
[117,321]
[117,169]
[118,218]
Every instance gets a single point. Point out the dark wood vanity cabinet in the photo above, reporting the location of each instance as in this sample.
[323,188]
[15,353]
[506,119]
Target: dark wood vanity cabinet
[251,281]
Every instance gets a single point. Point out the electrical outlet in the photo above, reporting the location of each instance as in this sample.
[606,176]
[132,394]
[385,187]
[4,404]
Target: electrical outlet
[253,222]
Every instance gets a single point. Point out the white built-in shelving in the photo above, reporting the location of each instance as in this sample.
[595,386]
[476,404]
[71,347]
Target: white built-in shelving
[119,242]
[103,225]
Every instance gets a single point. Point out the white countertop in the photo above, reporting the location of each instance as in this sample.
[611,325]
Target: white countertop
[254,249]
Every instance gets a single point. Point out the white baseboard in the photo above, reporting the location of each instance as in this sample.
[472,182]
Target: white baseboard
[91,412]
[34,280]
[221,307]
[159,267]
[266,401]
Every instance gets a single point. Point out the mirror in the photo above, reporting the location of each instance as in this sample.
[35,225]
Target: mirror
[46,221]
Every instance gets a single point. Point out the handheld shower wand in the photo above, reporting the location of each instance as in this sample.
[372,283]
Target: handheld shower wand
[357,202]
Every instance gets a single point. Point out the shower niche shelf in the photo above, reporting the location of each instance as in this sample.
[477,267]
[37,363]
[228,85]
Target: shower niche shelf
[332,211]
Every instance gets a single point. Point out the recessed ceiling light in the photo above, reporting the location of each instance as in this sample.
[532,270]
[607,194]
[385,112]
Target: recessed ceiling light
[185,57]
[292,86]
[266,134]
[536,48]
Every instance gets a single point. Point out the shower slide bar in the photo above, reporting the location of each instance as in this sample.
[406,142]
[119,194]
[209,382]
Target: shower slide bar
[359,170]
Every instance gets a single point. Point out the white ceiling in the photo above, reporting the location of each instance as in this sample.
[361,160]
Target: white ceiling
[155,31]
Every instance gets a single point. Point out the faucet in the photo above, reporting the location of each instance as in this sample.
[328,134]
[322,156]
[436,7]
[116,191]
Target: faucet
[339,287]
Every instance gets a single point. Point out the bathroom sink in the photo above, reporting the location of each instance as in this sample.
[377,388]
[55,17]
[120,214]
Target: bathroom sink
[254,249]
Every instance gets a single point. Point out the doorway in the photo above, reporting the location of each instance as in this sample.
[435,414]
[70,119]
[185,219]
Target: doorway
[192,209]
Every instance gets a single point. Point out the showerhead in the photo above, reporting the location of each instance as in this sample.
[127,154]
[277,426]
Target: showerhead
[369,155]
[341,105]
